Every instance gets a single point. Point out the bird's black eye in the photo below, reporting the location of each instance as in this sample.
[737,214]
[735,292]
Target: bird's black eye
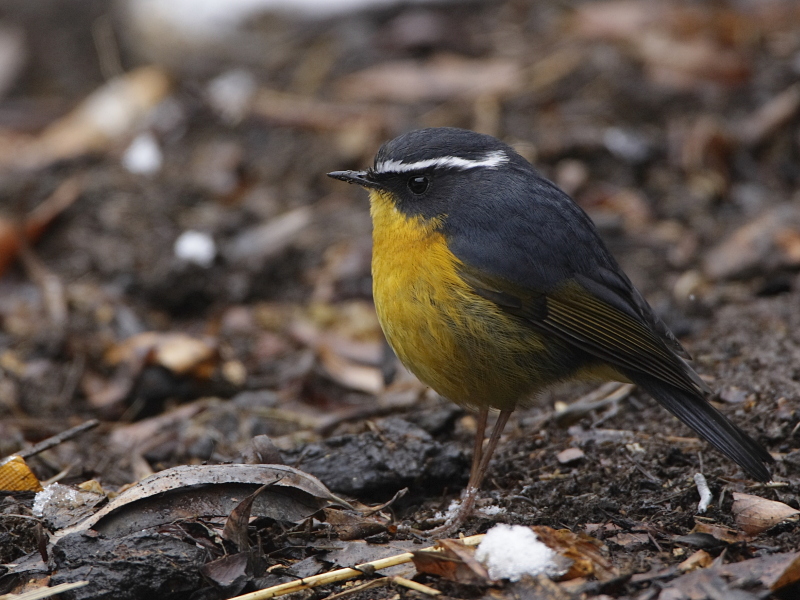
[418,184]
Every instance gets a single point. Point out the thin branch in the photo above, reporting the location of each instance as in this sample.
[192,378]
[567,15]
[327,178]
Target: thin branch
[58,439]
[343,574]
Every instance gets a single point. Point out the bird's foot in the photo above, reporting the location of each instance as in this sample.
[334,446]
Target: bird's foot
[457,519]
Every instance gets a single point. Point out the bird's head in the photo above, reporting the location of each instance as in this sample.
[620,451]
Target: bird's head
[437,172]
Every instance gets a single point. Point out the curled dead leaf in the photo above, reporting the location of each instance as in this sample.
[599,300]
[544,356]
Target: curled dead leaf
[757,575]
[350,374]
[699,560]
[754,514]
[190,491]
[177,352]
[723,535]
[455,562]
[588,554]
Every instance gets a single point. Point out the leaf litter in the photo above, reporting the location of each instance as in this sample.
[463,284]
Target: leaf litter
[674,125]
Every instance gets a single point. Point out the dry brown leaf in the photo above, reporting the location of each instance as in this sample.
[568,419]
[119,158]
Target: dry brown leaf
[698,560]
[181,353]
[754,514]
[349,525]
[178,352]
[704,145]
[720,532]
[466,554]
[680,46]
[601,527]
[456,562]
[788,242]
[766,243]
[682,64]
[770,117]
[173,494]
[772,572]
[614,20]
[295,110]
[630,539]
[351,375]
[348,342]
[236,524]
[625,204]
[137,436]
[585,552]
[106,393]
[439,79]
[229,573]
[108,115]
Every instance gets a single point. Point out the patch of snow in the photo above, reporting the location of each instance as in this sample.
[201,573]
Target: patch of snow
[143,156]
[43,498]
[492,510]
[450,512]
[196,247]
[511,551]
[231,93]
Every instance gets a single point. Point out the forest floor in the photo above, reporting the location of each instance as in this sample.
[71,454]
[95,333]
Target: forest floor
[216,286]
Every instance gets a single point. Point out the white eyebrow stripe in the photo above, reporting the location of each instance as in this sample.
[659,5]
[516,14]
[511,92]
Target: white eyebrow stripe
[491,160]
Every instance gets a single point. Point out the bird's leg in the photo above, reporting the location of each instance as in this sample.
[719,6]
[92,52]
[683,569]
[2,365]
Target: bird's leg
[502,419]
[477,452]
[480,463]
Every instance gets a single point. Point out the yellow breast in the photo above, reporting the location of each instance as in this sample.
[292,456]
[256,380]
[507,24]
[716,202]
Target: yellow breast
[451,339]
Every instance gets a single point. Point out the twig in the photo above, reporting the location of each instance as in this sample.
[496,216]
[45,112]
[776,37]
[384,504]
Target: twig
[59,476]
[343,574]
[53,294]
[45,592]
[58,439]
[395,498]
[653,540]
[608,393]
[644,471]
[368,585]
[105,42]
[413,585]
[396,579]
[73,378]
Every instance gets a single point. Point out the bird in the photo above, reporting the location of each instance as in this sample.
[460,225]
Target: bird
[491,284]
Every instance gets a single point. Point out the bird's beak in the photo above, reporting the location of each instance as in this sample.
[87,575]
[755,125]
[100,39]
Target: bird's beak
[361,178]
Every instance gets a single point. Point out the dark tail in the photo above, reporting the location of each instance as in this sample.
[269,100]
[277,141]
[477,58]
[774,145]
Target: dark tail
[709,423]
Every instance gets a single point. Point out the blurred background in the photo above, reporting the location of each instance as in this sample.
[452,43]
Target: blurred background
[171,248]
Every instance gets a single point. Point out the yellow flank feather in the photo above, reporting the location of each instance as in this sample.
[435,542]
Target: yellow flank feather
[460,344]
